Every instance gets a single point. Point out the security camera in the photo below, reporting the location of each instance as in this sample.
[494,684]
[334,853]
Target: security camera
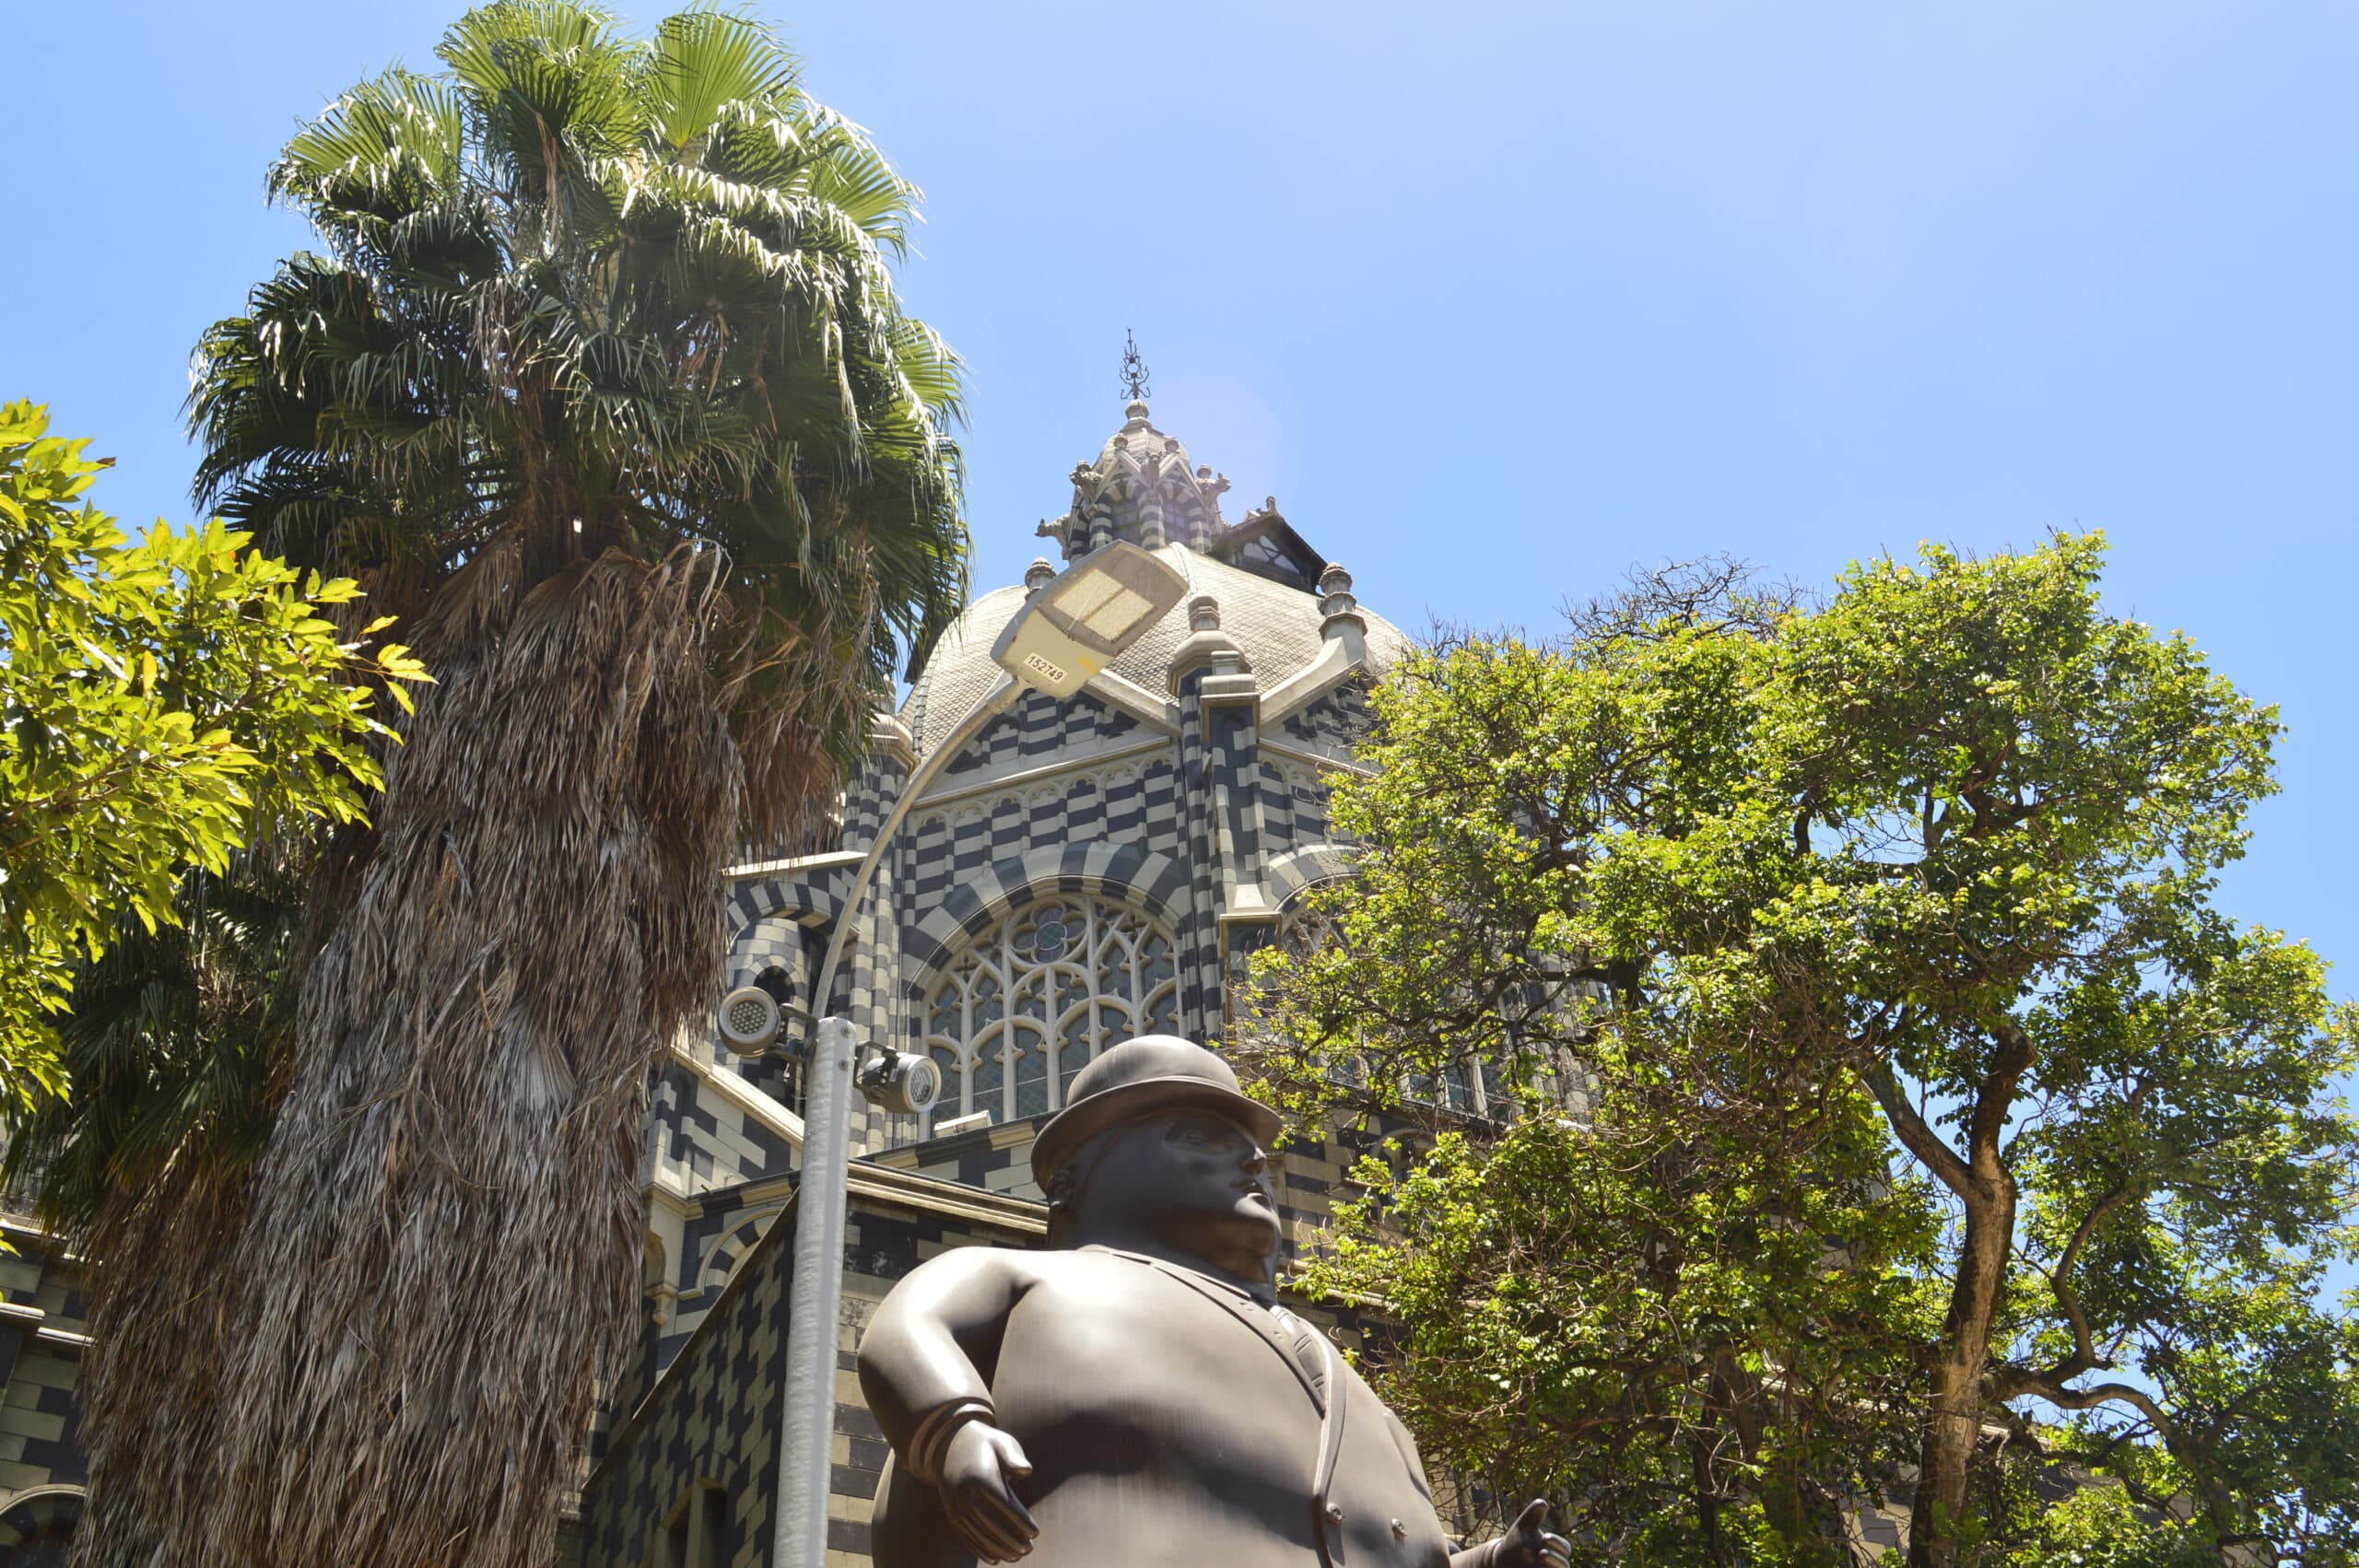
[750,1019]
[900,1082]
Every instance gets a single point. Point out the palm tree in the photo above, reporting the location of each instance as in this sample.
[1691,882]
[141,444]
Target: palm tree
[601,383]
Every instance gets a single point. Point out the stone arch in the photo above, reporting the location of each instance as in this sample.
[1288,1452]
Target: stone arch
[721,1258]
[1116,876]
[1305,868]
[1152,883]
[811,901]
[37,1524]
[1017,1013]
[783,941]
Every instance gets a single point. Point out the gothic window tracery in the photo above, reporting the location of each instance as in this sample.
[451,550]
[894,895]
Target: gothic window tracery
[1053,983]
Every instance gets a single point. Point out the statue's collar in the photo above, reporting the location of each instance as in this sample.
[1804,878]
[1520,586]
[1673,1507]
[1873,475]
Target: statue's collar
[1266,1295]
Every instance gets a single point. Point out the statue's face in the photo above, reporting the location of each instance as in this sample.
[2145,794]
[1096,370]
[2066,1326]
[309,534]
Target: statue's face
[1194,1178]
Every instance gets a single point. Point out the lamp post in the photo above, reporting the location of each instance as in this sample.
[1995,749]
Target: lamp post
[1066,633]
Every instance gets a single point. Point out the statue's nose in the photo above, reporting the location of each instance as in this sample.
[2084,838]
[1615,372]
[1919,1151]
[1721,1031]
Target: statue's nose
[1257,1160]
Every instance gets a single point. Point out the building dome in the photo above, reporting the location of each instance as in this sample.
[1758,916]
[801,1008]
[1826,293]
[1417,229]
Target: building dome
[1143,488]
[1281,631]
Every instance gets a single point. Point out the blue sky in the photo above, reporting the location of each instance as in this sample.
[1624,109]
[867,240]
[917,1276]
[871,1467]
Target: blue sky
[1496,299]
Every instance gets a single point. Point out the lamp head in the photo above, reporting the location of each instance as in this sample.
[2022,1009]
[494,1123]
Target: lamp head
[1095,608]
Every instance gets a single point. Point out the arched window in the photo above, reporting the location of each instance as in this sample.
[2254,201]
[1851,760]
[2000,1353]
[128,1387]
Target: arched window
[37,1528]
[1040,994]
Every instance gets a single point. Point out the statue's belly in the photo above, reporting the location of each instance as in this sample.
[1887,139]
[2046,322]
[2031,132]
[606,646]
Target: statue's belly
[1160,1431]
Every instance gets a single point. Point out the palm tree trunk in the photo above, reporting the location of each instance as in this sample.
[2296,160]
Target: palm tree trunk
[440,1256]
[156,1337]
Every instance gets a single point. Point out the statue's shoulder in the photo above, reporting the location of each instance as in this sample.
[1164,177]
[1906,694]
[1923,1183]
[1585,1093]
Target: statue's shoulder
[1020,1267]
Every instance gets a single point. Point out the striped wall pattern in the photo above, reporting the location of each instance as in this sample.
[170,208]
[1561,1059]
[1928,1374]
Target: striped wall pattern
[1339,717]
[1235,765]
[879,785]
[1038,727]
[1305,867]
[1197,925]
[1294,804]
[714,1420]
[703,1140]
[717,1243]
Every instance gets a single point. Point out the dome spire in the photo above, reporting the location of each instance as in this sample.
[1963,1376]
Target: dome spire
[1134,387]
[1144,488]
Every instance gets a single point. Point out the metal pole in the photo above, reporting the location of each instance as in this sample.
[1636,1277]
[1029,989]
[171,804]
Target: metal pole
[807,1411]
[815,1297]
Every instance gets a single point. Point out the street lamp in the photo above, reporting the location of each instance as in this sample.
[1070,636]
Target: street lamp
[1064,632]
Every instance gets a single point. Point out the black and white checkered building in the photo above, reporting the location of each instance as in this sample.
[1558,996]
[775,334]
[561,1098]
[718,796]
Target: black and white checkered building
[1080,872]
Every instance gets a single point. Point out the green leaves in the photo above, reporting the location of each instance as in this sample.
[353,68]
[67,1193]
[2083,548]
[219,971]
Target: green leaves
[160,701]
[1884,922]
[585,292]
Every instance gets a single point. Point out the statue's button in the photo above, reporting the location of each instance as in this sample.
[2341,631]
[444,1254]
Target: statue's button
[1334,1513]
[1399,1531]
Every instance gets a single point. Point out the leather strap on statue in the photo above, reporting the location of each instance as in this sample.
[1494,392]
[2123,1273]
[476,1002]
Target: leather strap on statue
[1326,1517]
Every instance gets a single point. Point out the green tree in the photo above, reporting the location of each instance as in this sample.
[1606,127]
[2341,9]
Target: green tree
[161,703]
[1891,911]
[600,380]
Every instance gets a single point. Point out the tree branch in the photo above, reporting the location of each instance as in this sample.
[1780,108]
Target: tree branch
[1914,1134]
[2083,1356]
[1996,1098]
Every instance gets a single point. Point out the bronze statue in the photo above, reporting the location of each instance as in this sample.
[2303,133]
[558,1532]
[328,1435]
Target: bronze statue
[1136,1393]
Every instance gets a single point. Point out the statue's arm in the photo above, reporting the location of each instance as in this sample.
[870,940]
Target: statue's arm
[917,1370]
[914,1363]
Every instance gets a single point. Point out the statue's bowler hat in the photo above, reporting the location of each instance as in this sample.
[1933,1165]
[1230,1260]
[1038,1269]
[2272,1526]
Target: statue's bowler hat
[1140,1077]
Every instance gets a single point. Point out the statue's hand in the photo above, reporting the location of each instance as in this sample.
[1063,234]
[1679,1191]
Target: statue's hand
[980,1465]
[1529,1544]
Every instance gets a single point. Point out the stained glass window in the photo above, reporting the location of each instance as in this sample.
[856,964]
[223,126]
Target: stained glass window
[1039,995]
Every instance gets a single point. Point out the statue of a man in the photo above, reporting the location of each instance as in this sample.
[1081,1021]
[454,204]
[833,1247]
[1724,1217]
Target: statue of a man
[1136,1393]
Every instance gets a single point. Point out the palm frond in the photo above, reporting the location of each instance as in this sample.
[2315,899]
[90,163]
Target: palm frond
[702,60]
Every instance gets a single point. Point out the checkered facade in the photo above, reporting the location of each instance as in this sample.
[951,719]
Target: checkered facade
[43,1333]
[1188,785]
[1182,821]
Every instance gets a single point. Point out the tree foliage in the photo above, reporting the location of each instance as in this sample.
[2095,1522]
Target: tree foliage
[1934,1102]
[583,294]
[599,376]
[163,702]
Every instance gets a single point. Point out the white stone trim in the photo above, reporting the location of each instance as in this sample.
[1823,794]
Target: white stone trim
[1321,758]
[794,863]
[1071,762]
[1333,666]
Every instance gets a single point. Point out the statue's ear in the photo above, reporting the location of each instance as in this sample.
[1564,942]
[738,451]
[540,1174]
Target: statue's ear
[1063,1191]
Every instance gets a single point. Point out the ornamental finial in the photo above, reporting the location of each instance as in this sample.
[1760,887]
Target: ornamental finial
[1134,387]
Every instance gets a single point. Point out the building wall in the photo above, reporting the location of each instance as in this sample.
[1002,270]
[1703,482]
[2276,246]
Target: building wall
[1206,823]
[710,1425]
[42,1336]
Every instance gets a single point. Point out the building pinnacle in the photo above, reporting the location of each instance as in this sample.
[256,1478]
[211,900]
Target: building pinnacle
[1134,387]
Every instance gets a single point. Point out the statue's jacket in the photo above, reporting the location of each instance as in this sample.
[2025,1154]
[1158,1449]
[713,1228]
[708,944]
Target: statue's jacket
[1168,1417]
